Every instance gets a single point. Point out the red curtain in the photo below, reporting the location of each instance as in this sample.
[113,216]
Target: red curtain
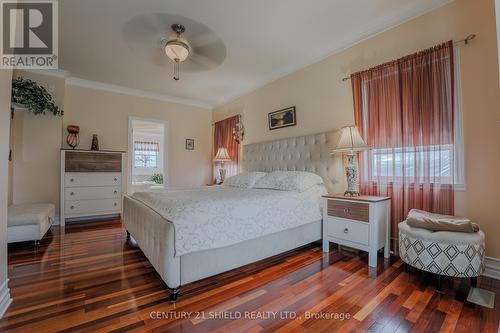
[405,111]
[223,137]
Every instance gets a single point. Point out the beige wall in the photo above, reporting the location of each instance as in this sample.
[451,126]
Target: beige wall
[107,114]
[5,90]
[35,148]
[324,102]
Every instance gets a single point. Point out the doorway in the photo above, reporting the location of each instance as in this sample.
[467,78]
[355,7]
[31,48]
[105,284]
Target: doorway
[147,154]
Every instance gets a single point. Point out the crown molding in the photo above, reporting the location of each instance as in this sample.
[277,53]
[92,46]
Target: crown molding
[390,23]
[59,73]
[75,81]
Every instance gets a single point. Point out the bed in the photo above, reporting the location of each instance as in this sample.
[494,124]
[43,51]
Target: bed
[192,233]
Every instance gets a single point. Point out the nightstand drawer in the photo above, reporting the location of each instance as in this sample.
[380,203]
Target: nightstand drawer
[349,210]
[349,231]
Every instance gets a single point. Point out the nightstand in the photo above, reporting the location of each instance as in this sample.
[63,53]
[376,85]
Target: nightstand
[358,222]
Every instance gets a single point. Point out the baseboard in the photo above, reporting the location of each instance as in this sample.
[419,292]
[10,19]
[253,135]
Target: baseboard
[492,268]
[5,299]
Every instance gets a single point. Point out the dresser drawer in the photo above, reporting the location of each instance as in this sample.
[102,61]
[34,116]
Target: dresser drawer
[95,192]
[82,207]
[349,210]
[93,162]
[87,179]
[348,230]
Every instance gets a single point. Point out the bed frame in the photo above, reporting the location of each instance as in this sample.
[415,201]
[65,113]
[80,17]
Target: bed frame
[155,235]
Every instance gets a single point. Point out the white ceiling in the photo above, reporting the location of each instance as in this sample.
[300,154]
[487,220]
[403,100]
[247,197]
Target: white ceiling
[103,40]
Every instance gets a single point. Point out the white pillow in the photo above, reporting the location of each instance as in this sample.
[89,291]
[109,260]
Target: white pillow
[289,180]
[244,180]
[300,181]
[271,180]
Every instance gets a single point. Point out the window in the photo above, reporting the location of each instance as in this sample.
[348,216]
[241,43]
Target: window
[413,164]
[434,163]
[146,154]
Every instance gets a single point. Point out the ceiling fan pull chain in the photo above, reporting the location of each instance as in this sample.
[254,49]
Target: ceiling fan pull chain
[176,70]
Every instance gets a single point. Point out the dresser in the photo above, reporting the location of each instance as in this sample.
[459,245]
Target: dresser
[358,222]
[92,184]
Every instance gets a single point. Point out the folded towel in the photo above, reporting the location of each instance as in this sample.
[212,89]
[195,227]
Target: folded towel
[435,222]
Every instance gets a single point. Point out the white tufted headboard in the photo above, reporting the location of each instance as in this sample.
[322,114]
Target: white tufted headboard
[304,153]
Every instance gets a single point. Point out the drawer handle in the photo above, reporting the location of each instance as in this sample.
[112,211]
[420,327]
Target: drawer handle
[115,204]
[72,180]
[116,192]
[116,179]
[72,193]
[346,231]
[347,210]
[72,207]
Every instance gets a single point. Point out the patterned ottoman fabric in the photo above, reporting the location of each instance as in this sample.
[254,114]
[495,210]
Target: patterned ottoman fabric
[443,252]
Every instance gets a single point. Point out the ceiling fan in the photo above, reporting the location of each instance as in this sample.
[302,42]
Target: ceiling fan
[177,48]
[190,43]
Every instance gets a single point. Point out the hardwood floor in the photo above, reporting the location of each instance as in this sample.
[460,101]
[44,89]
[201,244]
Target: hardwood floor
[89,279]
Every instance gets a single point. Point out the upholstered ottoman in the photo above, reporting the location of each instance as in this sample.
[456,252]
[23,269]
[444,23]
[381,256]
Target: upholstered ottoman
[457,254]
[29,222]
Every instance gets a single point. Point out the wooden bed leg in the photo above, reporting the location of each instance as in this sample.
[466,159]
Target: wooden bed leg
[473,282]
[174,292]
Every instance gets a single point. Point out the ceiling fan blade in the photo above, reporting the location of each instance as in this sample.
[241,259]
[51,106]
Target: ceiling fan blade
[146,35]
[215,52]
[196,63]
[141,30]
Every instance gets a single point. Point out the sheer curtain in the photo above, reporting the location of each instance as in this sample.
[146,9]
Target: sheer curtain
[223,137]
[405,112]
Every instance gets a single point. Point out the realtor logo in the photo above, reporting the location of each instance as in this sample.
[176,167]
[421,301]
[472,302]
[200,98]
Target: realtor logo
[29,34]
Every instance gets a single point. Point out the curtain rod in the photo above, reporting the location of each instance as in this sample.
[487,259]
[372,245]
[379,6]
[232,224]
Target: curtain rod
[466,41]
[237,114]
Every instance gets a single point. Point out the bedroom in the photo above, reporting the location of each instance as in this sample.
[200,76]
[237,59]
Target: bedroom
[107,259]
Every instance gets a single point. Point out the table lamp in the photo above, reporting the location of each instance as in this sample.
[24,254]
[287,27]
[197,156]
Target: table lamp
[350,142]
[222,156]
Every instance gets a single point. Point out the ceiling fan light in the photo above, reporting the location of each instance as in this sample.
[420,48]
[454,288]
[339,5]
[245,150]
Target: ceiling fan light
[177,50]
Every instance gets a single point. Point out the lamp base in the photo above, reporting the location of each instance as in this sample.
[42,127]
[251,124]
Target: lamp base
[352,174]
[222,173]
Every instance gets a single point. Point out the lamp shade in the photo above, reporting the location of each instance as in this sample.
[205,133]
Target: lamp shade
[222,155]
[177,50]
[350,141]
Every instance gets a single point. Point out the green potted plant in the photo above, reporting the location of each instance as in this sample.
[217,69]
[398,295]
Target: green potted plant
[34,97]
[157,178]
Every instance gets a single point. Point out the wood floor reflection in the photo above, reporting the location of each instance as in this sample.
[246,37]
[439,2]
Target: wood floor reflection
[90,279]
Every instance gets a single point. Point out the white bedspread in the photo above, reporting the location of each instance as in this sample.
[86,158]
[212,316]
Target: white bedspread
[217,216]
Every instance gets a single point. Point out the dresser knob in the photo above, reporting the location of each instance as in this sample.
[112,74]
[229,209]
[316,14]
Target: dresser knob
[72,180]
[72,207]
[115,204]
[116,192]
[346,231]
[347,210]
[115,179]
[72,193]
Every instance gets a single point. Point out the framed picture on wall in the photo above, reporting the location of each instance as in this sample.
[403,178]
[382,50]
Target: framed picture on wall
[189,144]
[282,118]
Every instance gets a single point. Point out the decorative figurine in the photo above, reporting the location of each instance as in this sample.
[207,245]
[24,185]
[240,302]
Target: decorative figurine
[73,138]
[95,142]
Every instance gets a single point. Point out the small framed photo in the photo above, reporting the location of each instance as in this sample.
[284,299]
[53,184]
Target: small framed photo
[189,144]
[282,118]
